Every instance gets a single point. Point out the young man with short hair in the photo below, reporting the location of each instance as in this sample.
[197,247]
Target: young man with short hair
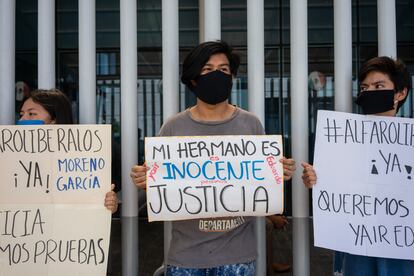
[384,87]
[208,71]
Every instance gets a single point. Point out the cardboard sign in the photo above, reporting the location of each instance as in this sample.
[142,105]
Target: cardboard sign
[363,200]
[53,183]
[214,176]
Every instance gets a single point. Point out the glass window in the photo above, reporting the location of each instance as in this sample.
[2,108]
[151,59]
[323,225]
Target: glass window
[366,20]
[234,22]
[320,21]
[234,31]
[67,24]
[26,25]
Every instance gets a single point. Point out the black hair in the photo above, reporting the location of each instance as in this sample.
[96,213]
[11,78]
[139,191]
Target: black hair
[55,103]
[198,57]
[396,70]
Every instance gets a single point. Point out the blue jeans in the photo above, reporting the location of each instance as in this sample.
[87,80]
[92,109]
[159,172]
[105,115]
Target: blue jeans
[355,265]
[244,269]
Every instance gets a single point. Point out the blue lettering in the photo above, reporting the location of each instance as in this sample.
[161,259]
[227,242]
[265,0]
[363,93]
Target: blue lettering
[59,185]
[101,163]
[81,164]
[254,169]
[168,167]
[246,165]
[197,166]
[78,165]
[70,184]
[223,170]
[175,169]
[78,183]
[93,165]
[204,170]
[96,183]
[218,169]
[70,165]
[232,173]
[60,163]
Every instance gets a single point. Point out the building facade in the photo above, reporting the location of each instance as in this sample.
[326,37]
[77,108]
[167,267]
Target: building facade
[233,31]
[234,25]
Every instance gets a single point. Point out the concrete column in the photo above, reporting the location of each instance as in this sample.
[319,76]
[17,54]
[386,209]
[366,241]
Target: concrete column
[300,133]
[87,62]
[170,58]
[343,55]
[170,77]
[387,28]
[255,69]
[7,61]
[129,135]
[46,44]
[210,20]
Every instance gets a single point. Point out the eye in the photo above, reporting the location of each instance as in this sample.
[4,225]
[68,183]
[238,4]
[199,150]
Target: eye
[363,88]
[205,70]
[379,85]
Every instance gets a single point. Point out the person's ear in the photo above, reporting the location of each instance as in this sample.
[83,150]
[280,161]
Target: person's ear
[193,83]
[400,95]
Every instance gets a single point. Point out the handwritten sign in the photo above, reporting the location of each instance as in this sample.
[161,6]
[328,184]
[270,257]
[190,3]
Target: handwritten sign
[53,183]
[214,176]
[363,200]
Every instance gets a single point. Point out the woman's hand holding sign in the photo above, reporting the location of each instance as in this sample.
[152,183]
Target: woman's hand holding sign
[139,176]
[111,200]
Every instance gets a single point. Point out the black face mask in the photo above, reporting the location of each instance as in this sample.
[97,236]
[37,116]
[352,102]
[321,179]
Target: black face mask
[376,101]
[213,87]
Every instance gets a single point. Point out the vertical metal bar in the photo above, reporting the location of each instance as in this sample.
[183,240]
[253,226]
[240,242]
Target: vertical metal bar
[300,133]
[153,119]
[281,55]
[343,55]
[387,28]
[7,61]
[129,135]
[358,38]
[210,20]
[87,62]
[144,93]
[170,58]
[170,77]
[255,63]
[46,44]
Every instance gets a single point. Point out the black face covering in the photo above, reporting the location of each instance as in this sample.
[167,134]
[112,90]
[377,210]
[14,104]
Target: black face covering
[376,101]
[214,87]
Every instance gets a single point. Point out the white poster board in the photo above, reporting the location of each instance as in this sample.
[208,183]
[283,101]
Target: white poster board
[363,200]
[214,176]
[53,183]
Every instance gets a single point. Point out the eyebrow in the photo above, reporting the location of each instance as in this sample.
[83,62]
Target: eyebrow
[376,82]
[222,64]
[29,109]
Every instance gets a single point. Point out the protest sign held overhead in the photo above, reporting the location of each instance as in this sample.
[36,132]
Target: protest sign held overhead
[365,185]
[52,215]
[214,176]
